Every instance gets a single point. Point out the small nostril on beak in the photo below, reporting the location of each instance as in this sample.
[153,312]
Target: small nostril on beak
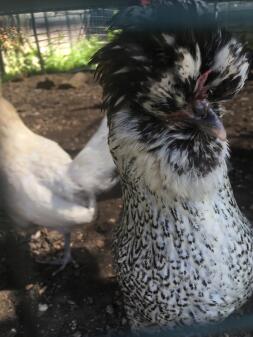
[200,108]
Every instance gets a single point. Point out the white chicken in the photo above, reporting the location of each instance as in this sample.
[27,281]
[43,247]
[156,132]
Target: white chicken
[42,185]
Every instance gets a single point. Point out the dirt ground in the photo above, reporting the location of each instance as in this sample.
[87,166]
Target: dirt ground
[84,300]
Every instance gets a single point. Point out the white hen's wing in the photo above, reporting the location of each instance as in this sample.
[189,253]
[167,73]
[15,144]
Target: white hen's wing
[93,168]
[49,163]
[39,187]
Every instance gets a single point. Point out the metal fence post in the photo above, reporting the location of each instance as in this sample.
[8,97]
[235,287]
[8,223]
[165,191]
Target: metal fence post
[40,57]
[69,29]
[2,67]
[47,30]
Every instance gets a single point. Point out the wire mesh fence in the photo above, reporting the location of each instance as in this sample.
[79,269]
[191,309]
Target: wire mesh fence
[61,31]
[67,27]
[44,32]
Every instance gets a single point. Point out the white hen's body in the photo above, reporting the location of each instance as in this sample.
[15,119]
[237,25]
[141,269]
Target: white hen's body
[37,177]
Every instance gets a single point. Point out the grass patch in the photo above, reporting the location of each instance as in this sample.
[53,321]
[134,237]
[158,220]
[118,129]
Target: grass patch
[21,57]
[79,56]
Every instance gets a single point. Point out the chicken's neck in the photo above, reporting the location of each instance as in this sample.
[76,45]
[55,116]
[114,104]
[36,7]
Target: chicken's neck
[158,199]
[170,163]
[215,215]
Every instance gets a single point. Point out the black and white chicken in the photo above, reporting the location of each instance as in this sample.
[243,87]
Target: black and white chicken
[183,250]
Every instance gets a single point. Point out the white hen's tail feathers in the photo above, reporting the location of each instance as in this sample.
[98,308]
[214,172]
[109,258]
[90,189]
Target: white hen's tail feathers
[93,168]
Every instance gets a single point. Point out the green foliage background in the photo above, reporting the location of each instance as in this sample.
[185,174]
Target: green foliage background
[21,57]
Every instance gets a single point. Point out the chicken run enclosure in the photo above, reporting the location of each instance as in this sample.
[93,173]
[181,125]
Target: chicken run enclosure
[55,94]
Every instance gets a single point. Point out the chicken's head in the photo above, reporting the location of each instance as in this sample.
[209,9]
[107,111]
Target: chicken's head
[171,66]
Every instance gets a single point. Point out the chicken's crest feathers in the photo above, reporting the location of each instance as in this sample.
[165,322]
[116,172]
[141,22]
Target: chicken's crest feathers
[167,48]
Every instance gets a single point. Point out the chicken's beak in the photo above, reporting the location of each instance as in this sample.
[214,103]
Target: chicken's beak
[207,119]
